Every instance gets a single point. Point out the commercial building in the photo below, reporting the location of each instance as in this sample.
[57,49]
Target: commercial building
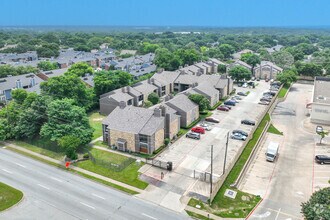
[320,112]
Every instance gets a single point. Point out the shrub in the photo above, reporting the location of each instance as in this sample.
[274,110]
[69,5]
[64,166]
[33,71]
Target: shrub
[166,141]
[86,156]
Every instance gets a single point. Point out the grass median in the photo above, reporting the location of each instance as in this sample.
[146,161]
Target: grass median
[244,202]
[95,120]
[9,196]
[283,91]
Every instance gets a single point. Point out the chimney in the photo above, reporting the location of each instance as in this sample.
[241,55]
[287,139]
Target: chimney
[152,80]
[149,80]
[32,81]
[122,104]
[160,70]
[123,89]
[180,67]
[128,89]
[157,112]
[185,65]
[18,84]
[163,109]
[199,72]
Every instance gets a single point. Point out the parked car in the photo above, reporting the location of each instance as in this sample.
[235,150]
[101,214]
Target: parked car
[263,103]
[266,80]
[237,97]
[193,135]
[223,108]
[253,78]
[258,79]
[211,119]
[240,132]
[198,130]
[238,136]
[273,88]
[322,159]
[227,106]
[245,85]
[265,99]
[233,100]
[205,126]
[242,94]
[319,129]
[248,122]
[229,102]
[276,83]
[268,94]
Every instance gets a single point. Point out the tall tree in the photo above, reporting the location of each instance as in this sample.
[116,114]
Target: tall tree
[318,206]
[65,118]
[80,69]
[202,102]
[239,73]
[227,50]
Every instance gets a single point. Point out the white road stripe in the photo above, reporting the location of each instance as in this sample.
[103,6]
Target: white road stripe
[7,171]
[278,213]
[58,180]
[149,216]
[98,196]
[43,186]
[87,205]
[20,165]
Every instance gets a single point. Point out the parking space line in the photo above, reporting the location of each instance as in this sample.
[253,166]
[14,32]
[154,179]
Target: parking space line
[278,213]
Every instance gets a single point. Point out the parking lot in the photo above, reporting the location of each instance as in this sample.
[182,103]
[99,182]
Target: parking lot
[191,156]
[321,172]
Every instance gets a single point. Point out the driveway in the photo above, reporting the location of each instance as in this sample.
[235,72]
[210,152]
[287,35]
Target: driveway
[292,180]
[193,156]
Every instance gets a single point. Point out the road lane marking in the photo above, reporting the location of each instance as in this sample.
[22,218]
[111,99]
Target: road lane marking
[7,171]
[20,165]
[98,196]
[87,205]
[45,187]
[149,216]
[58,180]
[278,213]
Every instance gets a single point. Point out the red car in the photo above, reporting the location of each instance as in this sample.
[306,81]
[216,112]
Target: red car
[198,130]
[223,108]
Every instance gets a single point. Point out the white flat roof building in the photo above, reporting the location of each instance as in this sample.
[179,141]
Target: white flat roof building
[321,101]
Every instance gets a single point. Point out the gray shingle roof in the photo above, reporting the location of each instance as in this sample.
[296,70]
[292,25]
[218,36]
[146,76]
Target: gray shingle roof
[54,73]
[134,120]
[165,78]
[10,82]
[182,102]
[144,87]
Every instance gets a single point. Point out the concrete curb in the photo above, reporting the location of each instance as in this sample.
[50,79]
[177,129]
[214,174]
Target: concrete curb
[16,204]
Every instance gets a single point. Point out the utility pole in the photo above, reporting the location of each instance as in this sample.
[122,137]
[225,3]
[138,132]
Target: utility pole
[211,173]
[226,149]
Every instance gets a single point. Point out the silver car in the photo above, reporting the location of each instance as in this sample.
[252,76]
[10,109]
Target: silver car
[238,136]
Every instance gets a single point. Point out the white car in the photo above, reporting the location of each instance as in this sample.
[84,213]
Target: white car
[205,126]
[245,85]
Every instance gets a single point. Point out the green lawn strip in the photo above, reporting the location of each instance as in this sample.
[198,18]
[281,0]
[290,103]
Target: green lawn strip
[101,144]
[197,216]
[129,175]
[108,156]
[238,207]
[95,120]
[283,91]
[216,106]
[40,149]
[121,188]
[272,129]
[9,196]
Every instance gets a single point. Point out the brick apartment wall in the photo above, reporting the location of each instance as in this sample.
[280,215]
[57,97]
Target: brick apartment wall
[129,137]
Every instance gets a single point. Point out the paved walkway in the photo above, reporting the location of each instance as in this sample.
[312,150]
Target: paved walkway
[73,167]
[206,214]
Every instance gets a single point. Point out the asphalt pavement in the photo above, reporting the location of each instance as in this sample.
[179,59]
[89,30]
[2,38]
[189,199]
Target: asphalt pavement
[52,193]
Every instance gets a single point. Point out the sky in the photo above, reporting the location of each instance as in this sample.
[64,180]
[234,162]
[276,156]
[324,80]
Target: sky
[216,13]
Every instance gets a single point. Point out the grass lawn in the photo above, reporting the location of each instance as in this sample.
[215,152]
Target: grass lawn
[197,216]
[9,196]
[41,146]
[283,91]
[105,155]
[101,144]
[274,130]
[95,120]
[242,205]
[129,175]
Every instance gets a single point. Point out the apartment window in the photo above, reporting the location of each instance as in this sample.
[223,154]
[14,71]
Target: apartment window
[141,98]
[143,138]
[129,102]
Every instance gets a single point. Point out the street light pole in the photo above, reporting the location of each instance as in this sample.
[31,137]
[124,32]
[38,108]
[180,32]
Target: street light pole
[211,173]
[224,161]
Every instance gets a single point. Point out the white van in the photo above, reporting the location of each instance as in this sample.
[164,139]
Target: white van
[272,151]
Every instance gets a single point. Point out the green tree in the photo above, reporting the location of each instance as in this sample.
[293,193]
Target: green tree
[309,69]
[239,73]
[48,50]
[153,98]
[70,145]
[19,95]
[323,134]
[80,69]
[251,59]
[147,47]
[283,59]
[222,68]
[47,65]
[227,50]
[318,206]
[69,87]
[287,77]
[202,102]
[66,119]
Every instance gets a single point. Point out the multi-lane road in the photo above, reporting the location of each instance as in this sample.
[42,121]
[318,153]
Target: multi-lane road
[51,193]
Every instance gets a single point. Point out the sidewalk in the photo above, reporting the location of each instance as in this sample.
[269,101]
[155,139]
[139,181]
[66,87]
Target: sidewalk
[75,168]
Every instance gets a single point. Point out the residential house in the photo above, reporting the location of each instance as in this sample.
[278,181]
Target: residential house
[207,90]
[239,63]
[164,80]
[134,129]
[29,81]
[320,106]
[187,109]
[274,49]
[214,63]
[239,54]
[146,87]
[266,70]
[205,67]
[45,75]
